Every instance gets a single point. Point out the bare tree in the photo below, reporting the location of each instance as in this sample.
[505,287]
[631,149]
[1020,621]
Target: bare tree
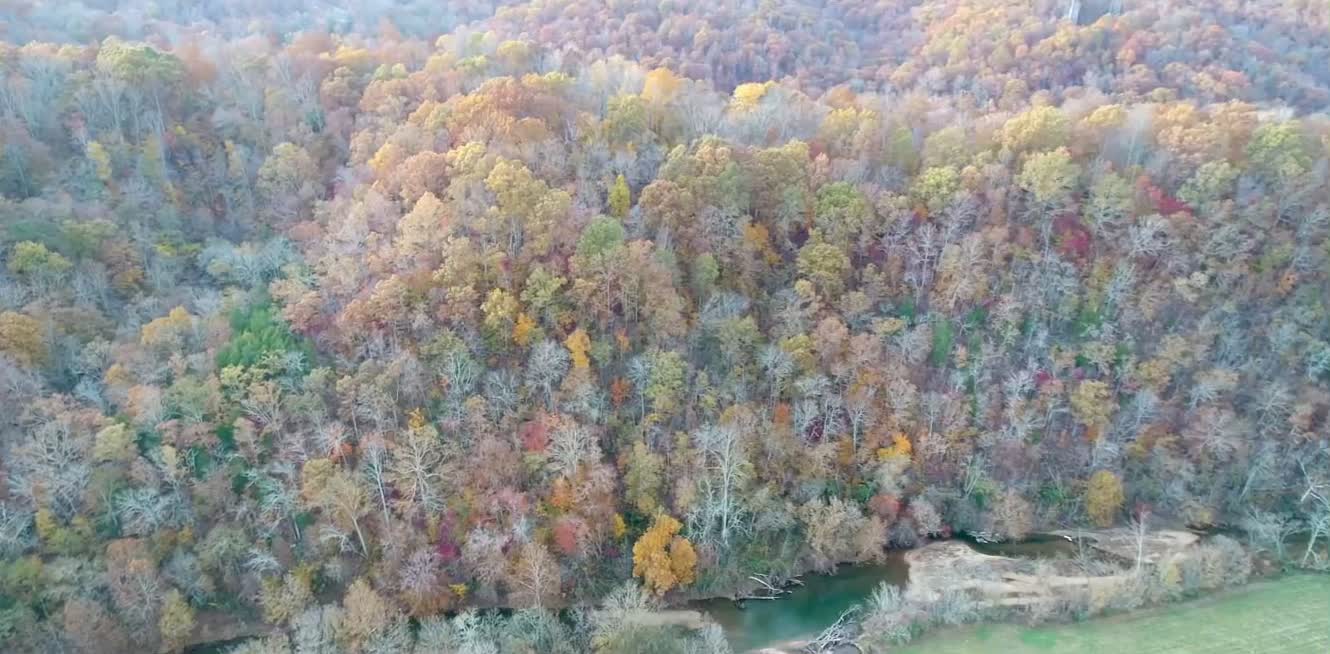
[416,472]
[535,576]
[715,516]
[1270,530]
[1316,499]
[1139,533]
[52,464]
[15,530]
[861,406]
[344,501]
[279,498]
[571,446]
[374,465]
[547,365]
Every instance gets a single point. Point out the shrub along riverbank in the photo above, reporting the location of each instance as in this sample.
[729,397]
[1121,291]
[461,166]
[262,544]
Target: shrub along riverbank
[1114,571]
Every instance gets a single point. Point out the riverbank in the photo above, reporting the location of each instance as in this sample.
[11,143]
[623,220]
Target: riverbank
[1107,567]
[1051,577]
[1284,615]
[1059,577]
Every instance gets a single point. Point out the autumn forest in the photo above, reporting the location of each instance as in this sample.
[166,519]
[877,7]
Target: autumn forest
[348,329]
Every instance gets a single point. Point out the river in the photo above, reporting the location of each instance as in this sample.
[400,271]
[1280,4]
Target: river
[805,611]
[809,609]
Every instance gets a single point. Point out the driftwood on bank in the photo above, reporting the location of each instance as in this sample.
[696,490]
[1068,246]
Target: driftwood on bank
[770,587]
[840,635]
[1127,545]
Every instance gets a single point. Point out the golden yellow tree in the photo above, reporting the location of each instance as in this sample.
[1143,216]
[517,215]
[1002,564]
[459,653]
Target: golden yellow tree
[523,329]
[1103,497]
[683,560]
[578,343]
[747,96]
[662,558]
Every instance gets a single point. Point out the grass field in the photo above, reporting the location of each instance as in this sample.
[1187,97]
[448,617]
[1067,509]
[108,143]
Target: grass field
[1285,616]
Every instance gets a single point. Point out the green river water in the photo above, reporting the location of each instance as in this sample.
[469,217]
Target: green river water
[805,611]
[809,609]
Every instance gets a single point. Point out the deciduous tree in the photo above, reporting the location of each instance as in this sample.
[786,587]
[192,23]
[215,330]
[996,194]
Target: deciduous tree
[662,558]
[1104,497]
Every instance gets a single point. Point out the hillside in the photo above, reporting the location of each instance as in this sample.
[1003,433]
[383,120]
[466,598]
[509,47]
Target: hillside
[336,326]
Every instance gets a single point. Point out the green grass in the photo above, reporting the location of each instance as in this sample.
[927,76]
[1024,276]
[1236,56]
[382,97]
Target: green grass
[1286,616]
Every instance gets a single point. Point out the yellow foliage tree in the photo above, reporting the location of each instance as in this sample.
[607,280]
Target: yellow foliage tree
[578,343]
[284,598]
[1091,403]
[21,338]
[114,444]
[501,310]
[101,161]
[683,560]
[514,54]
[1040,128]
[416,420]
[523,329]
[34,261]
[1049,176]
[1104,497]
[176,622]
[314,475]
[747,96]
[661,85]
[900,448]
[168,331]
[662,558]
[758,239]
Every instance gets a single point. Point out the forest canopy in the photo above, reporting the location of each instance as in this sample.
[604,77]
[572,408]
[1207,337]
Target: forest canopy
[345,323]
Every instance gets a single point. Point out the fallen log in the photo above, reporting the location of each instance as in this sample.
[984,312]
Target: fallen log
[839,634]
[770,587]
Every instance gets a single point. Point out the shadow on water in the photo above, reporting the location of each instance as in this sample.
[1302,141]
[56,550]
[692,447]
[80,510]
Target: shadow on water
[807,610]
